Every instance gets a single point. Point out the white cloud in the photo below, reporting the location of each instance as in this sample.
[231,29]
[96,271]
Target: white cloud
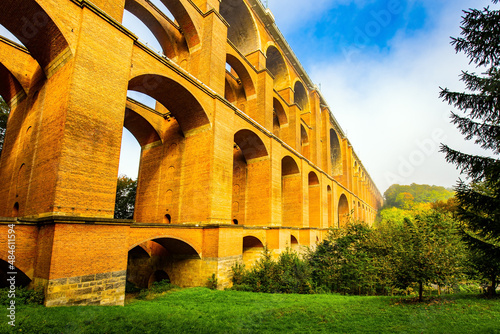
[390,109]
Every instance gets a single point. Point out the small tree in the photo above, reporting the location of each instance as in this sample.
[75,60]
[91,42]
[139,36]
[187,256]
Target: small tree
[425,250]
[125,197]
[343,262]
[479,200]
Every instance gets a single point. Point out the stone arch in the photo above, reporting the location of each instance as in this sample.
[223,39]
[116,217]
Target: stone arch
[276,64]
[22,280]
[185,21]
[252,250]
[140,128]
[329,215]
[38,32]
[10,88]
[242,74]
[291,193]
[304,141]
[249,177]
[343,211]
[242,31]
[314,200]
[162,257]
[294,243]
[178,100]
[300,96]
[250,144]
[280,118]
[144,12]
[335,153]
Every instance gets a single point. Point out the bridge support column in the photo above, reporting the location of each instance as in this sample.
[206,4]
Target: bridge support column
[82,263]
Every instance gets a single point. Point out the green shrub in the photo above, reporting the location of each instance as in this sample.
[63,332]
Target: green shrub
[23,296]
[289,274]
[212,282]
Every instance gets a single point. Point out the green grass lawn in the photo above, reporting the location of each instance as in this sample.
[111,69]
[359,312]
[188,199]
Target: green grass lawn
[200,310]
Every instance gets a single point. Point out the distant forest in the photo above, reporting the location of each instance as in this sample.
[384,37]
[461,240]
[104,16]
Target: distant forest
[400,196]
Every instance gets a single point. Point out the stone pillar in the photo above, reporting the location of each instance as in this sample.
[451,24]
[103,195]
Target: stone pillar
[82,262]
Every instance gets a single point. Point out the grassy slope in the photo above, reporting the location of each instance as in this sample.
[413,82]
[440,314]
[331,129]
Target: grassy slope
[200,310]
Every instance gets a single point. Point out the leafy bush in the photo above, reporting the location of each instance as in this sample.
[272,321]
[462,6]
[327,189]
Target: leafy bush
[23,296]
[289,274]
[212,282]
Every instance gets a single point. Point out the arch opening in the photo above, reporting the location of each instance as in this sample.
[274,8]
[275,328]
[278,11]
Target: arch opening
[300,96]
[249,177]
[304,141]
[39,33]
[163,259]
[158,276]
[291,193]
[335,154]
[343,211]
[276,64]
[234,91]
[294,244]
[176,99]
[252,250]
[329,206]
[134,18]
[22,280]
[5,33]
[314,200]
[4,116]
[242,31]
[239,81]
[280,119]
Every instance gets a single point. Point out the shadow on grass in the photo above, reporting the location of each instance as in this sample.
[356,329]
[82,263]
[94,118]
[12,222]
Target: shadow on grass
[443,299]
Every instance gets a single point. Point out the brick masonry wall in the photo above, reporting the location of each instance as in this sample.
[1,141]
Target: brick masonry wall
[98,289]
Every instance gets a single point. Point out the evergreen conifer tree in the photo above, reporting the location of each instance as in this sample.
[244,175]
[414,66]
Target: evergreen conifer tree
[479,200]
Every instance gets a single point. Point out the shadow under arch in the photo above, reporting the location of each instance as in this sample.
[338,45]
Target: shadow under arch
[329,206]
[140,128]
[242,31]
[343,211]
[291,193]
[275,63]
[183,106]
[252,250]
[185,21]
[280,118]
[314,200]
[294,243]
[33,26]
[10,88]
[300,96]
[163,258]
[243,74]
[335,153]
[249,178]
[250,144]
[22,280]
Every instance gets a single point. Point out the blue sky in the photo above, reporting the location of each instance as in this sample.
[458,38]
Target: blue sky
[379,64]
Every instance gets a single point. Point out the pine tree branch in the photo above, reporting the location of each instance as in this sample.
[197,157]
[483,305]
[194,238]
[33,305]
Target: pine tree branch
[481,37]
[487,135]
[484,107]
[487,85]
[476,167]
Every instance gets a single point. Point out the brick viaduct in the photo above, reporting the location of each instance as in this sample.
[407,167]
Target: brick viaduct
[241,150]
